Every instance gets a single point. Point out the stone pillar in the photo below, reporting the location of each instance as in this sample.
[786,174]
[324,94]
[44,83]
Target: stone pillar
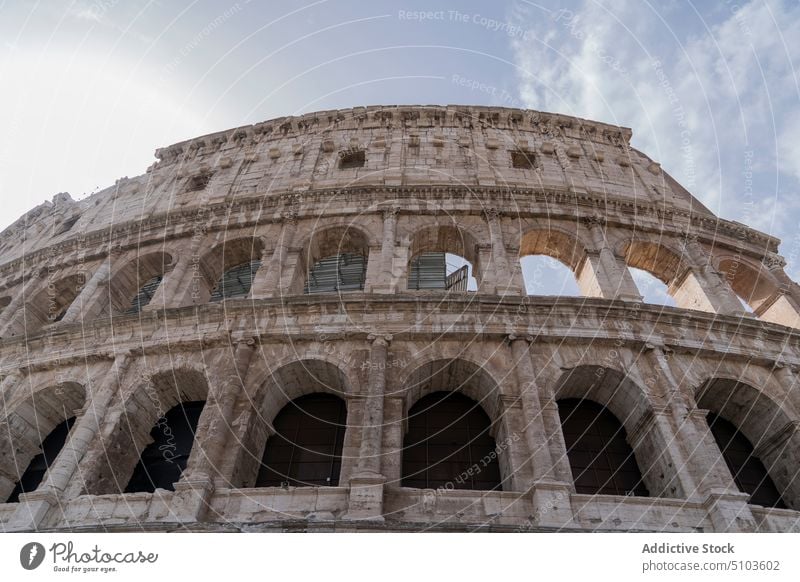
[12,319]
[550,497]
[272,282]
[612,278]
[34,506]
[201,476]
[80,308]
[159,299]
[371,277]
[178,289]
[213,428]
[384,271]
[504,280]
[699,463]
[8,472]
[366,485]
[786,375]
[264,283]
[783,306]
[702,287]
[393,421]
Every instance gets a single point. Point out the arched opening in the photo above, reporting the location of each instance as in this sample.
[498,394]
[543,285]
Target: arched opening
[164,459]
[545,275]
[135,284]
[601,460]
[759,292]
[746,468]
[296,430]
[306,447]
[35,431]
[157,425]
[37,468]
[336,261]
[652,289]
[753,432]
[447,444]
[236,281]
[655,270]
[602,398]
[443,258]
[51,303]
[553,263]
[228,270]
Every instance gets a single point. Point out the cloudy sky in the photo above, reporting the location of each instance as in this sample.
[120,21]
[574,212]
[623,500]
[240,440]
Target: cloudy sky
[91,88]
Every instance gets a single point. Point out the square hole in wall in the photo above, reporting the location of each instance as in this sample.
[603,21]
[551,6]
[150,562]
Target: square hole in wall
[352,159]
[198,182]
[523,160]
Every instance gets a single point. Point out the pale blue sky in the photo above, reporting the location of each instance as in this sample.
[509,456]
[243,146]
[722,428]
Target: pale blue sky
[91,88]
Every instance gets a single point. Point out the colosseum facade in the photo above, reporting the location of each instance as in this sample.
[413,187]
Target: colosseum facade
[261,333]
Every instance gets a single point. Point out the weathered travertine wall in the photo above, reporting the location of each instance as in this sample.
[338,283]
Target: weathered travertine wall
[434,179]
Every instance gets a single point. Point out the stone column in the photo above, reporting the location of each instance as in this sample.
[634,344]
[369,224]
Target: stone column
[550,497]
[213,428]
[264,282]
[201,476]
[35,505]
[177,289]
[80,308]
[506,281]
[706,477]
[384,271]
[12,319]
[371,277]
[274,282]
[8,472]
[612,277]
[366,485]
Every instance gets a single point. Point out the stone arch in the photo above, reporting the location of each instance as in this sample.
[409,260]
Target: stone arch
[222,258]
[278,389]
[562,245]
[771,430]
[458,374]
[606,386]
[29,422]
[554,241]
[758,288]
[448,239]
[51,302]
[156,394]
[348,244]
[657,258]
[125,284]
[629,403]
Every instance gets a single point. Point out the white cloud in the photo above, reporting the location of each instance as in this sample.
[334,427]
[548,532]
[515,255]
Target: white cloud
[710,101]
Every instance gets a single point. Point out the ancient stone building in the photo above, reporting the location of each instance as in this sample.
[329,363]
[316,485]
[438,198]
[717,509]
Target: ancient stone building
[262,333]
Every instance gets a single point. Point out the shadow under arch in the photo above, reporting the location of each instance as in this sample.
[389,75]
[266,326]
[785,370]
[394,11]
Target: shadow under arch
[227,270]
[334,259]
[290,390]
[628,403]
[28,424]
[144,411]
[431,240]
[770,430]
[452,422]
